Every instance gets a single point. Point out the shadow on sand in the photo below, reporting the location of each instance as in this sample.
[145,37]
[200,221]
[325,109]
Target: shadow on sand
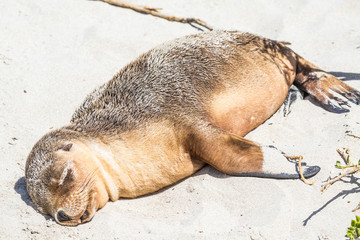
[346,76]
[343,194]
[20,188]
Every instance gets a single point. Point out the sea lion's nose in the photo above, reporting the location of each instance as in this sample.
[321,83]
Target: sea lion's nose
[61,216]
[85,215]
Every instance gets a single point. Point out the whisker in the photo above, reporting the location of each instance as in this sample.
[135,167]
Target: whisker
[89,179]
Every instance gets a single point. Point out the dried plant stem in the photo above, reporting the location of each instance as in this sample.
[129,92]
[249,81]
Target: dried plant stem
[357,207]
[348,171]
[155,12]
[299,158]
[344,153]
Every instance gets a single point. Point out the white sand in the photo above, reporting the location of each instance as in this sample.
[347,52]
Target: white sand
[52,53]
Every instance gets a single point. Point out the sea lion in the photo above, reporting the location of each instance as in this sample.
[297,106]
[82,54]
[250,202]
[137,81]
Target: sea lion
[179,106]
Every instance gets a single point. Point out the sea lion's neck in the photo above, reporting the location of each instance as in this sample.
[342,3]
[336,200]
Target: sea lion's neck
[130,164]
[112,176]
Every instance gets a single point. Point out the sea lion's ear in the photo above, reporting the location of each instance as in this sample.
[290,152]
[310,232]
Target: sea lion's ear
[66,147]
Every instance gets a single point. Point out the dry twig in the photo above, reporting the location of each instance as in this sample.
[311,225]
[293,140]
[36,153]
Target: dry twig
[344,153]
[299,158]
[155,12]
[357,207]
[348,171]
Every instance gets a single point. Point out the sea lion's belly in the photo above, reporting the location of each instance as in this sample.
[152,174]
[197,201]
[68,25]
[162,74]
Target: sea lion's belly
[249,97]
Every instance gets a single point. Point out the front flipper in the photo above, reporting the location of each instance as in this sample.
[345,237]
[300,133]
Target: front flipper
[276,165]
[238,156]
[323,87]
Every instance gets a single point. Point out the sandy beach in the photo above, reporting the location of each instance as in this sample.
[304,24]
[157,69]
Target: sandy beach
[53,53]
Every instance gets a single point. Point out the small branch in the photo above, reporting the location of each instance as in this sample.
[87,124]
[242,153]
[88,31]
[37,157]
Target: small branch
[155,12]
[299,158]
[341,175]
[350,168]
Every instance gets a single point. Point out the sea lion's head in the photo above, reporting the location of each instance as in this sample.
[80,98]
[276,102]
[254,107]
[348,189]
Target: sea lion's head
[58,184]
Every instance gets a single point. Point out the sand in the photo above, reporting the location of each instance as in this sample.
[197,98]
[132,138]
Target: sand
[52,53]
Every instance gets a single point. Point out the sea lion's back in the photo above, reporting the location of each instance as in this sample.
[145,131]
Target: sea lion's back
[170,80]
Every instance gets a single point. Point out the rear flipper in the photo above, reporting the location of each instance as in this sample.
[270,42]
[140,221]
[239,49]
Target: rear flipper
[293,95]
[238,156]
[323,87]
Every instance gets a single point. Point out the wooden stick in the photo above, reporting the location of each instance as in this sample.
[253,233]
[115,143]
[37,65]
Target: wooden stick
[299,158]
[155,12]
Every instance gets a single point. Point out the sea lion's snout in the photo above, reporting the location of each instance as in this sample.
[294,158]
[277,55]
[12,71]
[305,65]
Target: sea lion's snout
[61,216]
[64,218]
[76,207]
[74,211]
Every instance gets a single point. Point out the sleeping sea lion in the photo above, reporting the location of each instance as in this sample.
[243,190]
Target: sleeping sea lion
[177,107]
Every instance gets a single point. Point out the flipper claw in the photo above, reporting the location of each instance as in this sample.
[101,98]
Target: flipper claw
[310,171]
[333,106]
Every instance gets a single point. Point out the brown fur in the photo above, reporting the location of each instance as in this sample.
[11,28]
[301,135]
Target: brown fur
[181,105]
[273,71]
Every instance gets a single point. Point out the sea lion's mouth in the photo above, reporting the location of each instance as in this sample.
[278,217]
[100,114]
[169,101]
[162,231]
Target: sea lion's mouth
[73,217]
